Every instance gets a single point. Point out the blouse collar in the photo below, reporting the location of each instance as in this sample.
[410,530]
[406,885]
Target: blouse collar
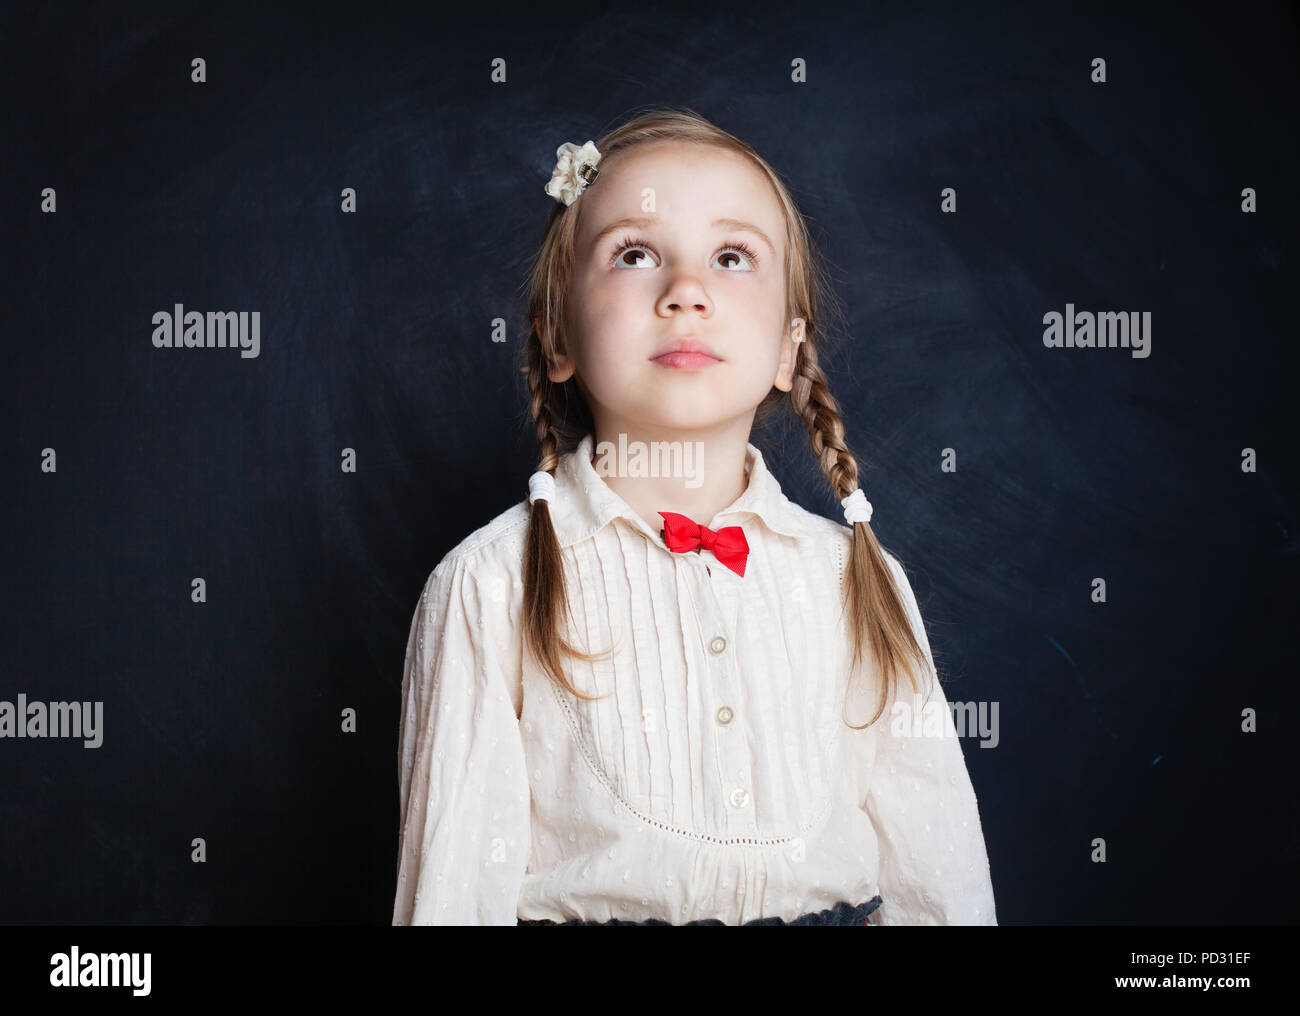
[584,503]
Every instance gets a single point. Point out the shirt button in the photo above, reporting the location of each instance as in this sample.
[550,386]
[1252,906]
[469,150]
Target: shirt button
[740,797]
[725,715]
[718,646]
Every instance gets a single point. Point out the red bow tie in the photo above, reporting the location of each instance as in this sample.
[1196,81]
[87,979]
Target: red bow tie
[728,544]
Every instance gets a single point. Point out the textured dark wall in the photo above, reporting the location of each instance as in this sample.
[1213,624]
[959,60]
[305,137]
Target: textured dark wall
[221,720]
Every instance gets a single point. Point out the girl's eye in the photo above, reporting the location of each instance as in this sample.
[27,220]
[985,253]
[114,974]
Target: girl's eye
[621,256]
[630,248]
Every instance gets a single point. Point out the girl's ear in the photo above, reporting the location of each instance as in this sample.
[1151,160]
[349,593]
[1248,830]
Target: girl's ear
[789,351]
[559,366]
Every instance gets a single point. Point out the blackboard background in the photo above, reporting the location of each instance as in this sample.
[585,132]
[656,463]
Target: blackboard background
[1118,720]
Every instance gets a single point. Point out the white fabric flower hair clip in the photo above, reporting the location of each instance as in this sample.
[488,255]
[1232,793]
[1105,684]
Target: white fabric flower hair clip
[575,170]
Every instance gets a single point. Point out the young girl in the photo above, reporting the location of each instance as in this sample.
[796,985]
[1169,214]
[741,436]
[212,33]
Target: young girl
[655,695]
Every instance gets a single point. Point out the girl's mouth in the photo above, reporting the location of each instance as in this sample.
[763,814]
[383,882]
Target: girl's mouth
[686,361]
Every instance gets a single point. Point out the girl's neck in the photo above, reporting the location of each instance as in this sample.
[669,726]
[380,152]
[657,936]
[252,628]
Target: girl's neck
[695,473]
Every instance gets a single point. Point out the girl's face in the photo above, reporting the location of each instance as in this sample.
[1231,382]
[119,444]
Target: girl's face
[704,260]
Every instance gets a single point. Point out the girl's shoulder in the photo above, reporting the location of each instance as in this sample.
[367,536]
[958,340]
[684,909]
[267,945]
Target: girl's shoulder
[496,545]
[839,538]
[484,569]
[830,533]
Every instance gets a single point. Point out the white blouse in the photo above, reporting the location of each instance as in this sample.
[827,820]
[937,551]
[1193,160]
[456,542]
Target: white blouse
[715,779]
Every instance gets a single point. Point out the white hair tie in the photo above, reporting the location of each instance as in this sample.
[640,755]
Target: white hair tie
[856,507]
[541,485]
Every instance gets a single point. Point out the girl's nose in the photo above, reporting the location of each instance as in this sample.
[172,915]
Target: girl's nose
[685,293]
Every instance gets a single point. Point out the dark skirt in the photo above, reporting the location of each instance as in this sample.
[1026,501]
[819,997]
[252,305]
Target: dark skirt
[842,914]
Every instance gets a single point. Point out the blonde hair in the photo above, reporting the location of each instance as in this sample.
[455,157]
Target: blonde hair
[879,621]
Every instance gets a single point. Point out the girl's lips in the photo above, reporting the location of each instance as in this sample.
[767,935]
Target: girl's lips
[686,361]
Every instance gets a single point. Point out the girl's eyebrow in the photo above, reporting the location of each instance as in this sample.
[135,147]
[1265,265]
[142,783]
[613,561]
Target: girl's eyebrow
[645,221]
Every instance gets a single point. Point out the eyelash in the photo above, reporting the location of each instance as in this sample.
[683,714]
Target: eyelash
[627,243]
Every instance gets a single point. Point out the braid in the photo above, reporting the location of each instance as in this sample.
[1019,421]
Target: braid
[546,600]
[548,438]
[877,616]
[813,402]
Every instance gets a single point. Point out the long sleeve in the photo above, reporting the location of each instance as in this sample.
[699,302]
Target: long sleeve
[463,783]
[934,866]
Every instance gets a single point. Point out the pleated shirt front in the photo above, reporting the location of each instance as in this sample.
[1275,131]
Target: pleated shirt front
[715,777]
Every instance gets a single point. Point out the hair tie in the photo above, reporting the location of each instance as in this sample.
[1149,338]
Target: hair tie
[856,507]
[541,486]
[575,170]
